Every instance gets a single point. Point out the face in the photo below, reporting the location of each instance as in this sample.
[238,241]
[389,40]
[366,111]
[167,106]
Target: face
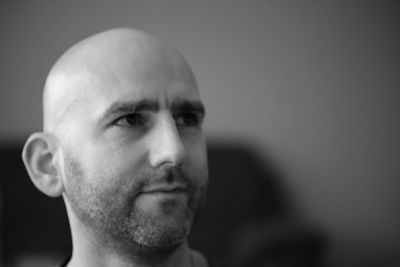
[134,156]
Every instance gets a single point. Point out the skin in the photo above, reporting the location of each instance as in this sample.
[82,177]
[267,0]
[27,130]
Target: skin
[123,145]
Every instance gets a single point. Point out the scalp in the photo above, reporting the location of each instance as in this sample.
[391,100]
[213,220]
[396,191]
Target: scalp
[106,54]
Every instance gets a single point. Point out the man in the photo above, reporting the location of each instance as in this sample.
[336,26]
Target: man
[122,143]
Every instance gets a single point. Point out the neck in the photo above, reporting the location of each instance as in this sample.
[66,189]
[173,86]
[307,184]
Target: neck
[91,255]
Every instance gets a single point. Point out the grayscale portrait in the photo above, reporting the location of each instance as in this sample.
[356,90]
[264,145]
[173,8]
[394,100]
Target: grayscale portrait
[195,134]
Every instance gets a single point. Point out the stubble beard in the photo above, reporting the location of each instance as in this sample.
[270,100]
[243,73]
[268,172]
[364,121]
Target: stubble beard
[114,219]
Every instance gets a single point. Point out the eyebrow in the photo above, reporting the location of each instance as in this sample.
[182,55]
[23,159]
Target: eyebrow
[188,106]
[178,106]
[121,107]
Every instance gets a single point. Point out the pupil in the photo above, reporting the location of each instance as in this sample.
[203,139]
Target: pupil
[132,119]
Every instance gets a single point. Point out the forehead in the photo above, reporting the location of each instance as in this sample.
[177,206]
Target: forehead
[158,77]
[144,78]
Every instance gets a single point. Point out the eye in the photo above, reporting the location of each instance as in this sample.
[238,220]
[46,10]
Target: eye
[131,120]
[187,119]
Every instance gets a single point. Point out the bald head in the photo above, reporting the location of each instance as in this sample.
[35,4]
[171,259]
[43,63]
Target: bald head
[123,144]
[99,64]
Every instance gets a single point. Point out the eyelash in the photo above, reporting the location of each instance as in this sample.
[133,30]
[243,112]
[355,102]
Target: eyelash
[186,119]
[139,120]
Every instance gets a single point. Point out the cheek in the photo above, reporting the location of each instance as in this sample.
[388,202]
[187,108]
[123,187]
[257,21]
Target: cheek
[196,160]
[95,181]
[111,163]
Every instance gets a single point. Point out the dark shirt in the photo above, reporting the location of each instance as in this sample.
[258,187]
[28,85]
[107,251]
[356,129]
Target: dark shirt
[210,263]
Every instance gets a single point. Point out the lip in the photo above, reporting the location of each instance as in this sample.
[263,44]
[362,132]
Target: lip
[164,189]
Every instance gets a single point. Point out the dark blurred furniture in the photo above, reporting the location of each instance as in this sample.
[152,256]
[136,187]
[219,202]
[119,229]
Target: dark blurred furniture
[31,222]
[246,220]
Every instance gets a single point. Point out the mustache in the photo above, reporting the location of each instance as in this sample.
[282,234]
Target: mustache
[165,177]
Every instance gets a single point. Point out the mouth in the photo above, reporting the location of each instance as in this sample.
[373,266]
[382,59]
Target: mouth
[167,189]
[164,198]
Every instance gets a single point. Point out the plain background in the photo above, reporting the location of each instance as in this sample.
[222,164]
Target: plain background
[312,85]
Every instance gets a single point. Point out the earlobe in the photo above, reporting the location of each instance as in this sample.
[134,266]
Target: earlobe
[38,155]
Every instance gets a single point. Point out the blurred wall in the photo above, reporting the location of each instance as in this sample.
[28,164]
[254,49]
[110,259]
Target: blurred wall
[314,85]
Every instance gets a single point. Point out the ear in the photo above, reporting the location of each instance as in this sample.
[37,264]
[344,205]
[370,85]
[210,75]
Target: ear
[39,159]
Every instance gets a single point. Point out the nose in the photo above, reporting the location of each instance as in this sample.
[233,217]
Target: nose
[166,147]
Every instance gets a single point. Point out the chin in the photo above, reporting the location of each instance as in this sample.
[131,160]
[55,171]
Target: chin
[155,232]
[157,238]
[154,255]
